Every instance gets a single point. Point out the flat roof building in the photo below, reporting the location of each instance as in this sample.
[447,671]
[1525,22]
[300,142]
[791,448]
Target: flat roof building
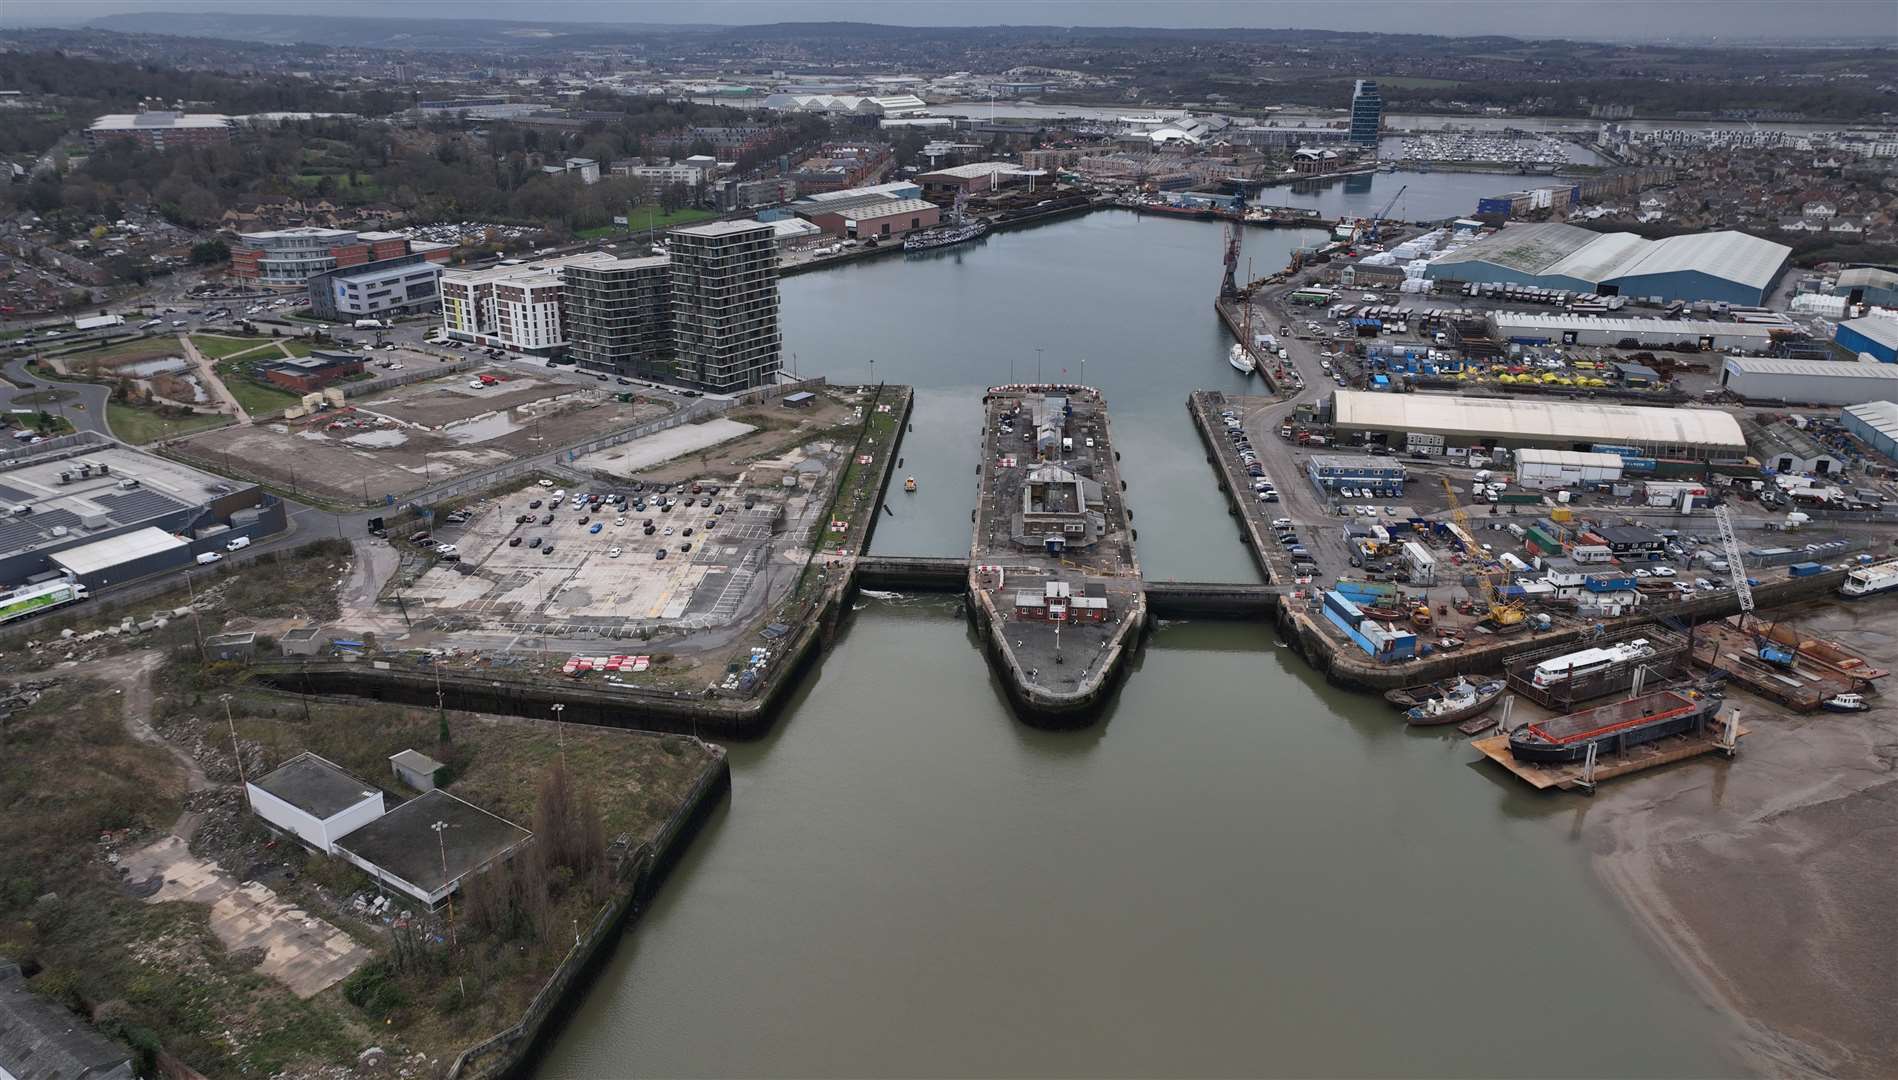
[427,846]
[75,490]
[290,257]
[618,315]
[512,305]
[895,218]
[724,279]
[1809,382]
[1696,434]
[161,130]
[314,800]
[974,178]
[389,286]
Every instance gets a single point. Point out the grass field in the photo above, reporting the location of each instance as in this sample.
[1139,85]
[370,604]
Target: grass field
[256,397]
[140,426]
[217,348]
[126,352]
[641,221]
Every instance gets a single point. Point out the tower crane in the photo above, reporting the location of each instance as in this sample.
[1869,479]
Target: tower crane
[1229,285]
[1503,614]
[1378,221]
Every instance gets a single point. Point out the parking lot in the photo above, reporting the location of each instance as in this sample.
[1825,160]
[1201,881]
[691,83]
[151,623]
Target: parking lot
[678,557]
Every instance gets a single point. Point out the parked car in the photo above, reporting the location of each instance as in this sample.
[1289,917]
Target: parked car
[513,541]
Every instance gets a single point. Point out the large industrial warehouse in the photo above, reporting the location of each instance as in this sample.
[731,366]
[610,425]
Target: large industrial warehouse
[106,513]
[1439,423]
[1874,335]
[1809,382]
[1876,424]
[1731,267]
[1539,329]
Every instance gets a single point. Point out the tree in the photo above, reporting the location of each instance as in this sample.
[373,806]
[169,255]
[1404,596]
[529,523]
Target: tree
[210,252]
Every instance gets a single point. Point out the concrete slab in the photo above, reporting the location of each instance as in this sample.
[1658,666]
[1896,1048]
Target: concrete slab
[301,951]
[630,458]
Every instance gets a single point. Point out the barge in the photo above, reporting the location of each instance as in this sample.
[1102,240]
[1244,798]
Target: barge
[1054,583]
[1616,726]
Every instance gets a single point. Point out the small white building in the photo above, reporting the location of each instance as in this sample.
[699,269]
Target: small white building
[314,800]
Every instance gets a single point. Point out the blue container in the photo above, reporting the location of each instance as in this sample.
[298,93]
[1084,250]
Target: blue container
[1806,569]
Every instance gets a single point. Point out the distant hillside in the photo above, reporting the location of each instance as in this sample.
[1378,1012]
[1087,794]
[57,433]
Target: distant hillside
[352,32]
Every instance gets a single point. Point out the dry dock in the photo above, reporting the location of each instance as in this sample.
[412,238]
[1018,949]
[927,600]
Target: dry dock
[1054,584]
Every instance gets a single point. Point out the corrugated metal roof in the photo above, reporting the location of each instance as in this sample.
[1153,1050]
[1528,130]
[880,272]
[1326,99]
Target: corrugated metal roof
[114,550]
[1828,369]
[1601,257]
[1524,321]
[1880,416]
[1506,418]
[1528,249]
[1728,255]
[1882,330]
[885,209]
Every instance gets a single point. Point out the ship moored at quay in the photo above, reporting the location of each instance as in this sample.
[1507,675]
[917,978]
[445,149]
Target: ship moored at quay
[1054,583]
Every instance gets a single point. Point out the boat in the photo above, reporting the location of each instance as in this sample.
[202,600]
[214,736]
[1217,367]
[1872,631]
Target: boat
[1463,701]
[1846,703]
[1619,725]
[1575,665]
[945,236]
[1241,360]
[909,484]
[960,229]
[1870,580]
[1411,696]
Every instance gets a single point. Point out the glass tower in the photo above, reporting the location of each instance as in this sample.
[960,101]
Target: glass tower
[1367,113]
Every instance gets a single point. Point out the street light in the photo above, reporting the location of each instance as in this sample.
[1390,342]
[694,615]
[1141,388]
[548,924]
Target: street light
[236,753]
[560,732]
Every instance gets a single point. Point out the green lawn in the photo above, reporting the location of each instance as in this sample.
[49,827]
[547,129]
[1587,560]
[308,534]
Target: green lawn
[141,426]
[255,396]
[217,348]
[138,349]
[643,219]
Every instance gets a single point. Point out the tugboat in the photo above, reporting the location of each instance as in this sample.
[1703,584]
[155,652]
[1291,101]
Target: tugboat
[1622,724]
[1463,701]
[1846,703]
[909,484]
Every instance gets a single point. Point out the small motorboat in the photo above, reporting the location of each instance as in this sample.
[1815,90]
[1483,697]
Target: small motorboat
[1846,703]
[909,484]
[1464,701]
[1241,360]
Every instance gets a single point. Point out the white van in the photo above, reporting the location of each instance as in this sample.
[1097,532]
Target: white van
[238,544]
[209,557]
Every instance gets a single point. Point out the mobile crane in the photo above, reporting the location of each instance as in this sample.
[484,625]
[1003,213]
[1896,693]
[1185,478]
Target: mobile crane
[1506,615]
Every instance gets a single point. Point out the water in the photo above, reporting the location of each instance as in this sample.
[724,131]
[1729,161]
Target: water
[1239,870]
[1428,196]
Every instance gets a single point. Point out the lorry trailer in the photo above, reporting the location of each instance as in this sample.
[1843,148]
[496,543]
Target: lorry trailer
[33,599]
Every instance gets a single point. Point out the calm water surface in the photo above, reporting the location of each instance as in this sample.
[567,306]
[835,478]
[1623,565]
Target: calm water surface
[1239,870]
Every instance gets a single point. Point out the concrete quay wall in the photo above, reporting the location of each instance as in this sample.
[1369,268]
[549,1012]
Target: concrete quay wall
[1345,666]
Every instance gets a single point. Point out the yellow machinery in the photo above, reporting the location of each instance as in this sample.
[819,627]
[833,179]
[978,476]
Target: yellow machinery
[1502,614]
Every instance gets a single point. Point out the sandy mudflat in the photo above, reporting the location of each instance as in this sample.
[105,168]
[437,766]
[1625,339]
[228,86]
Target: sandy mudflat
[1773,880]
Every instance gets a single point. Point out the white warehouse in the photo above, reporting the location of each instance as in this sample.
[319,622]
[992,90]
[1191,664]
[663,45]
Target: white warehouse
[314,800]
[1533,328]
[1809,382]
[1544,470]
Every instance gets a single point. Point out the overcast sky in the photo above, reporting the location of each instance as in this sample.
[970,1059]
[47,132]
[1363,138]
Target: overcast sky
[1870,20]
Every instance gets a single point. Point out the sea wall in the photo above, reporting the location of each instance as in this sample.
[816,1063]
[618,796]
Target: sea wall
[507,1052]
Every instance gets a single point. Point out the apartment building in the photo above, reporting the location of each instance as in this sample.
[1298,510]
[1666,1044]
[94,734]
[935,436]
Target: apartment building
[725,332]
[512,305]
[618,315]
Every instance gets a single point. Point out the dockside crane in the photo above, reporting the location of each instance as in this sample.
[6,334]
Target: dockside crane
[1503,614]
[1765,647]
[1378,221]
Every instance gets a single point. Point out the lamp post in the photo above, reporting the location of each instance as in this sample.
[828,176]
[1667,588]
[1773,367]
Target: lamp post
[560,732]
[237,754]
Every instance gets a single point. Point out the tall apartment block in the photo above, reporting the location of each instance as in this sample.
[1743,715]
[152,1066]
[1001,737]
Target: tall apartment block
[511,305]
[1367,113]
[725,304]
[619,315]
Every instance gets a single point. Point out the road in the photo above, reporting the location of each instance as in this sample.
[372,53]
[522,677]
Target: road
[85,409]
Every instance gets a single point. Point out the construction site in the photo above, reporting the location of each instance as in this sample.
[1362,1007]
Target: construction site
[387,444]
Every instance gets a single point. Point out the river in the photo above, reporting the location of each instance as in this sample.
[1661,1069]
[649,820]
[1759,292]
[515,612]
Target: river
[1239,871]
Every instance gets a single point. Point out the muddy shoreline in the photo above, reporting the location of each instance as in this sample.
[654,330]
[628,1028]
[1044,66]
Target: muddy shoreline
[1771,883]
